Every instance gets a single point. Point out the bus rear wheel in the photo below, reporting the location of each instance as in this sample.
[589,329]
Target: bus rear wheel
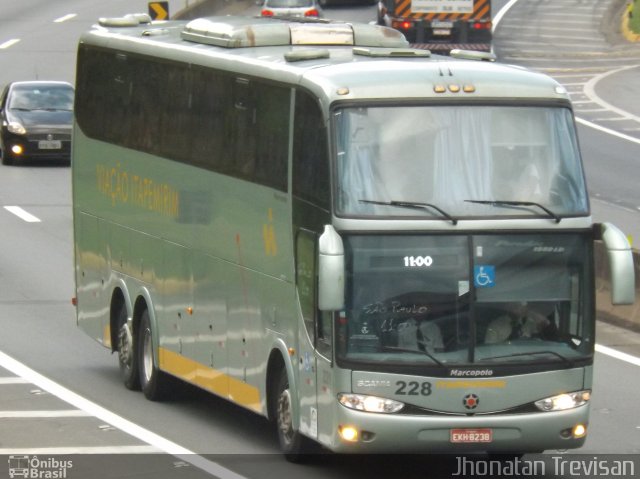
[127,357]
[293,444]
[154,383]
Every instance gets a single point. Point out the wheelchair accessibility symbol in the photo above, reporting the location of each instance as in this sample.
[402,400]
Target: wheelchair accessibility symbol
[484,276]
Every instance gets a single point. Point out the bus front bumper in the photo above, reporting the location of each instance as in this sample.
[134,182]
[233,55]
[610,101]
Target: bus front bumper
[515,433]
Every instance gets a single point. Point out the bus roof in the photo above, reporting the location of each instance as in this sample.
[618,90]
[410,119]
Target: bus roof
[346,61]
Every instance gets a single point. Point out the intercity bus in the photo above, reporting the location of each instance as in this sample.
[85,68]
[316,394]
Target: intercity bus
[380,249]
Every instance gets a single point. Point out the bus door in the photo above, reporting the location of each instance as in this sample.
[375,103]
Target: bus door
[315,343]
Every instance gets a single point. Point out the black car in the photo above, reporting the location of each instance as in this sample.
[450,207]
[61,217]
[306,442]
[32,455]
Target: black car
[37,119]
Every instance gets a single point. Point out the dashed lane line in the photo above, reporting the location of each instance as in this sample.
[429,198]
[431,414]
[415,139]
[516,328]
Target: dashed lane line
[13,380]
[65,451]
[64,18]
[9,43]
[22,214]
[152,439]
[44,414]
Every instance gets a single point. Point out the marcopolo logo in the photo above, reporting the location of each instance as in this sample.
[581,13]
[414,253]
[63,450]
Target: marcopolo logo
[37,468]
[470,373]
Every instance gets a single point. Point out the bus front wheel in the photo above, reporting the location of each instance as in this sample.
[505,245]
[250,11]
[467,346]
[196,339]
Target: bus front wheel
[154,383]
[292,443]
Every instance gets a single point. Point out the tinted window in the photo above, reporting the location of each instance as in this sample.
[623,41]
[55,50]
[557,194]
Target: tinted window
[310,161]
[195,115]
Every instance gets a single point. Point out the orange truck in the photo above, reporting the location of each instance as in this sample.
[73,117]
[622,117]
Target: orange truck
[440,25]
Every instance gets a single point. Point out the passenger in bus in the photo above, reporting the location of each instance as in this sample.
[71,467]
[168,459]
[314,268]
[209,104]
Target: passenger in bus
[518,321]
[423,336]
[528,187]
[519,177]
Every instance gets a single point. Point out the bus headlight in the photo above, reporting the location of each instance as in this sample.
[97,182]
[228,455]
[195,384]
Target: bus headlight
[360,402]
[16,128]
[564,401]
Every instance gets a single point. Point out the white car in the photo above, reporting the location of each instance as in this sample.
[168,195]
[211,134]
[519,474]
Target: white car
[291,8]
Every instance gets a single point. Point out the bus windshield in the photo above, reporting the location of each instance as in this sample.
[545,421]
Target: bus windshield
[455,300]
[458,162]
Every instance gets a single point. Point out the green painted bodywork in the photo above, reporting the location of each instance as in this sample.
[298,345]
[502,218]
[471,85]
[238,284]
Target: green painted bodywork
[179,237]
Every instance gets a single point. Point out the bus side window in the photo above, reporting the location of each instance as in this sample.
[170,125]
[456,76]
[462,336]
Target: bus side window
[310,153]
[244,128]
[272,111]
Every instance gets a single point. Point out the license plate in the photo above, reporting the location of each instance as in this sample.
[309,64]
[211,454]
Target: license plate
[49,144]
[471,435]
[442,32]
[439,24]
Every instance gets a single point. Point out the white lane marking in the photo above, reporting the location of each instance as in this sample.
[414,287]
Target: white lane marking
[64,18]
[42,414]
[501,14]
[608,130]
[590,91]
[46,451]
[119,422]
[614,353]
[13,380]
[22,214]
[9,43]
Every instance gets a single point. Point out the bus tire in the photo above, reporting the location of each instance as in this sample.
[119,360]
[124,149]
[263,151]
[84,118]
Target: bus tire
[127,351]
[154,383]
[293,445]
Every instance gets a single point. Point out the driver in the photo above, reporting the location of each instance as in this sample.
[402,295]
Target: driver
[423,336]
[517,321]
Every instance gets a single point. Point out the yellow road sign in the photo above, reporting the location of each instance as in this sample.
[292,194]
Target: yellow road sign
[159,10]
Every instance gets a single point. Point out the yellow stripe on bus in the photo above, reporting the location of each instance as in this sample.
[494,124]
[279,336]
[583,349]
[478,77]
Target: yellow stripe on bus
[492,384]
[210,379]
[106,336]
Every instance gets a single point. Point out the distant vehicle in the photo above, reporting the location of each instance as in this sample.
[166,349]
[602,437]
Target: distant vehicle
[37,118]
[440,25]
[291,8]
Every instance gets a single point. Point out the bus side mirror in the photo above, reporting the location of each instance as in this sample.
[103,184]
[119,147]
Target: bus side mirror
[330,270]
[621,267]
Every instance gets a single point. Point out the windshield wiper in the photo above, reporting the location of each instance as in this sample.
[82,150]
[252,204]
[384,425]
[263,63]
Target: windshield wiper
[422,352]
[517,203]
[414,205]
[530,353]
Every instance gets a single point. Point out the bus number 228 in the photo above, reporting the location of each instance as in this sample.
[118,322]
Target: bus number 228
[413,388]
